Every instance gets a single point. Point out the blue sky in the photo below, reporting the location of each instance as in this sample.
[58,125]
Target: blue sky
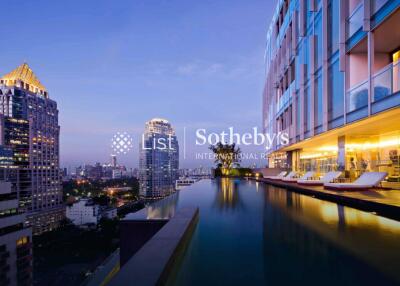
[113,65]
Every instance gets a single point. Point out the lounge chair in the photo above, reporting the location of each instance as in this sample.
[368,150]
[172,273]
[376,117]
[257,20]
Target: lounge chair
[304,177]
[290,175]
[277,177]
[327,178]
[365,181]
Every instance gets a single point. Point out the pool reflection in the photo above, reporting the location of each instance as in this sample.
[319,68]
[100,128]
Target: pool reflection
[163,209]
[227,196]
[313,234]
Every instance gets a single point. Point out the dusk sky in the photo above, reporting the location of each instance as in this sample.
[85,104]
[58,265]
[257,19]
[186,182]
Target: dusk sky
[113,65]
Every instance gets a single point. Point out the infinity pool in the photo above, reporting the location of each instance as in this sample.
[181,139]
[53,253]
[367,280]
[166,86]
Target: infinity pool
[250,233]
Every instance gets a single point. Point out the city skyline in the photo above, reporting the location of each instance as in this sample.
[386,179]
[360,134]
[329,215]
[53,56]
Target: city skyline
[147,142]
[185,58]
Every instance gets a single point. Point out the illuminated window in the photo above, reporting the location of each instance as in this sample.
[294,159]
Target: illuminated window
[22,240]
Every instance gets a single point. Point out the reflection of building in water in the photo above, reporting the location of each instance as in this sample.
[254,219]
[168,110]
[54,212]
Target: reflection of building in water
[163,209]
[227,195]
[327,232]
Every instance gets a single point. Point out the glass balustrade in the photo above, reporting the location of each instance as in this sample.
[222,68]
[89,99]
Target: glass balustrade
[377,4]
[386,81]
[357,97]
[355,21]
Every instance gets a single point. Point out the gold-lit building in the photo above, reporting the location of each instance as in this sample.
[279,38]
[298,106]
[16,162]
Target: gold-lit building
[29,126]
[333,84]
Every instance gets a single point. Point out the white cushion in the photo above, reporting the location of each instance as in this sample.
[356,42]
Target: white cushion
[330,176]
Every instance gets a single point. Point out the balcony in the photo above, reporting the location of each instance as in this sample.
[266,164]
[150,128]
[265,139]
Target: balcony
[376,5]
[285,99]
[355,20]
[357,97]
[285,23]
[386,82]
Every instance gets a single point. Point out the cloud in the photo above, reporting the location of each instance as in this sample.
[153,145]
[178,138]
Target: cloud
[199,69]
[187,69]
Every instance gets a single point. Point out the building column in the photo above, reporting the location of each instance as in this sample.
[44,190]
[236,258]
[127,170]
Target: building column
[371,52]
[325,91]
[302,20]
[341,155]
[312,84]
[343,57]
[302,102]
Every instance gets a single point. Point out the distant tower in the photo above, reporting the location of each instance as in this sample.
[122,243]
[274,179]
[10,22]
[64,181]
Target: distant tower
[114,161]
[159,159]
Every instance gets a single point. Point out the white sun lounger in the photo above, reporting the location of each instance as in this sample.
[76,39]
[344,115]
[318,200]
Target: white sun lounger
[327,178]
[290,175]
[304,177]
[365,181]
[277,177]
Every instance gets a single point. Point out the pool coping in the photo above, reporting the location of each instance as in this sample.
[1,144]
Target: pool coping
[152,264]
[380,208]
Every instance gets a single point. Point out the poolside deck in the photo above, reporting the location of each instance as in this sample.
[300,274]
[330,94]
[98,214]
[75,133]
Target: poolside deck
[381,201]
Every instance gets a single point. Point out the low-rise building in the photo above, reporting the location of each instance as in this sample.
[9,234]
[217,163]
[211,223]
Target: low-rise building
[83,212]
[109,213]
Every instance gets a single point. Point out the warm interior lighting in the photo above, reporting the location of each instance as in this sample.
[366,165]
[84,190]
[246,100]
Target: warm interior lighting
[368,145]
[396,56]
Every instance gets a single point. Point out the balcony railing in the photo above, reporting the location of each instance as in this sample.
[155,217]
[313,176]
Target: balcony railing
[285,23]
[377,4]
[357,97]
[284,100]
[355,21]
[386,81]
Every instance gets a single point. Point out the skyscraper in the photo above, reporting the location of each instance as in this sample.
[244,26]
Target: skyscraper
[15,240]
[332,84]
[114,161]
[29,121]
[159,159]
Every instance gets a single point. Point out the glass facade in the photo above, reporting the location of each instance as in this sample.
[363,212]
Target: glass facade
[318,102]
[159,160]
[332,88]
[335,92]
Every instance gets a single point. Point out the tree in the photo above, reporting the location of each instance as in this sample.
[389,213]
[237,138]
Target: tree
[225,156]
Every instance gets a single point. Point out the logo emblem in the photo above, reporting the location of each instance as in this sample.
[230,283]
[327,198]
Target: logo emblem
[121,143]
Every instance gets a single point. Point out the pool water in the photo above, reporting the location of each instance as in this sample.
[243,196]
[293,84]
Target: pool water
[250,233]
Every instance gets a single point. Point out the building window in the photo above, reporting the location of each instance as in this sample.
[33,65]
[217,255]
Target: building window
[318,101]
[307,105]
[335,91]
[22,240]
[333,26]
[298,113]
[319,39]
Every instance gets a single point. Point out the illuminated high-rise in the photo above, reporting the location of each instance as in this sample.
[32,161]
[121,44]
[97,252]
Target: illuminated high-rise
[159,159]
[29,120]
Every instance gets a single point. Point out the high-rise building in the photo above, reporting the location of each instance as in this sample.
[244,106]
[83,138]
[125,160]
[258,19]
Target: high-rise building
[332,83]
[29,121]
[159,159]
[15,240]
[114,161]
